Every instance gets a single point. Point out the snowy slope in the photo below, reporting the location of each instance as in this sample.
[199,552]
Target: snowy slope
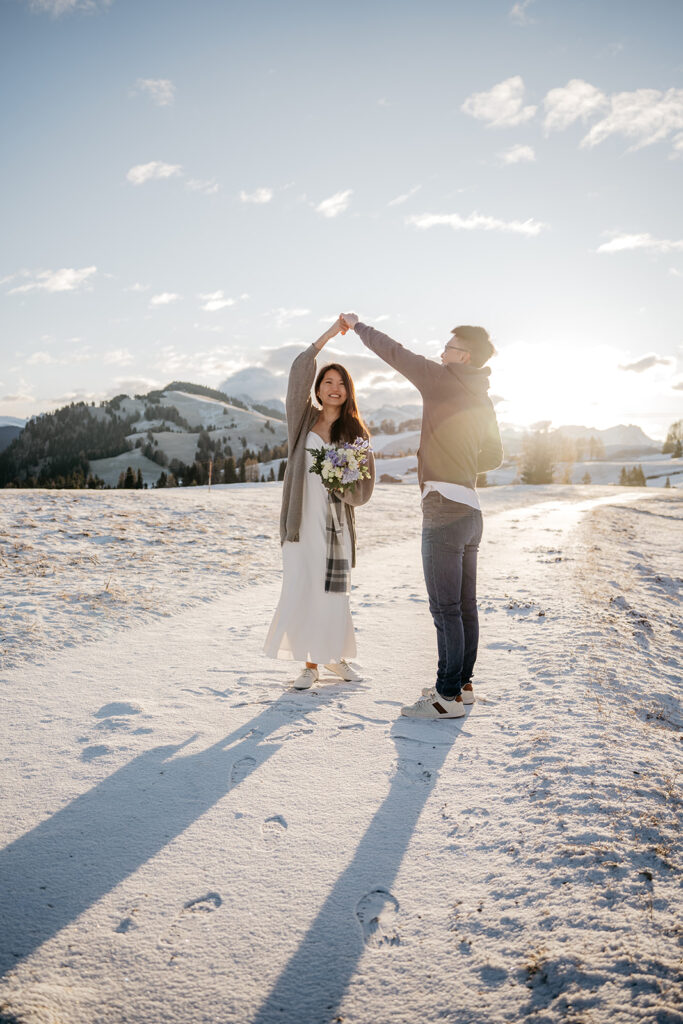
[188,839]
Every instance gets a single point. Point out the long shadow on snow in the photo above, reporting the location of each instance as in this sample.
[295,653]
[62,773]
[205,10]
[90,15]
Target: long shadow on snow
[312,985]
[53,873]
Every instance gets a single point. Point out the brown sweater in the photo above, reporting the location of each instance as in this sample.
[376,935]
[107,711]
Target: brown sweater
[301,416]
[460,435]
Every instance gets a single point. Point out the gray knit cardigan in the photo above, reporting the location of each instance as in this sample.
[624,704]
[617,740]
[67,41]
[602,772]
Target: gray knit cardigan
[301,416]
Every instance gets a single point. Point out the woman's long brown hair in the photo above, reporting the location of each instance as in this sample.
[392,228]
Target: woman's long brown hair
[349,425]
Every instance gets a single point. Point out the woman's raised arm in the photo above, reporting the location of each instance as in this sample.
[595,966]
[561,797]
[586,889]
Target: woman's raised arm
[301,377]
[329,333]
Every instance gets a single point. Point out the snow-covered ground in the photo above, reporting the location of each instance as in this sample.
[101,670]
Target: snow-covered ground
[655,467]
[186,838]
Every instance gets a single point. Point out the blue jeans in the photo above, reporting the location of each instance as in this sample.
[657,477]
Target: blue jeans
[451,534]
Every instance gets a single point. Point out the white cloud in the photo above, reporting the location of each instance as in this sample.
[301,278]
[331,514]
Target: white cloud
[213,301]
[577,99]
[646,363]
[502,106]
[59,7]
[645,115]
[16,399]
[336,204]
[209,188]
[675,273]
[259,196]
[68,279]
[133,386]
[518,13]
[40,359]
[137,287]
[283,316]
[209,328]
[163,299]
[404,197]
[154,171]
[627,243]
[476,222]
[118,357]
[160,90]
[518,154]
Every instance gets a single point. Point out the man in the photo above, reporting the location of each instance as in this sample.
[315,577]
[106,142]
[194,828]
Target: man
[459,439]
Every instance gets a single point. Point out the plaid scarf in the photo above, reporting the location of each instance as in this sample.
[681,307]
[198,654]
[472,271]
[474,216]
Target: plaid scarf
[337,573]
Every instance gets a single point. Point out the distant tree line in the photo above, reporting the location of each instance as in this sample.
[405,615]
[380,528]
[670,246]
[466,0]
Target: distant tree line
[389,426]
[220,470]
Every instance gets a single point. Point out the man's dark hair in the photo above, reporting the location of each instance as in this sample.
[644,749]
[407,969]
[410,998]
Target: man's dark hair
[477,342]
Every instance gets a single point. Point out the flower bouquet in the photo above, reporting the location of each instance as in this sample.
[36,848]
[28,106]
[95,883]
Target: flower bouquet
[341,466]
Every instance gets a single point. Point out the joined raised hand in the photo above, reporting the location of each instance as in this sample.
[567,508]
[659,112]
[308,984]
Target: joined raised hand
[348,321]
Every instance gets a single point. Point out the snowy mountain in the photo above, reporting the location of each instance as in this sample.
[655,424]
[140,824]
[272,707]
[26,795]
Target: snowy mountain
[255,384]
[621,436]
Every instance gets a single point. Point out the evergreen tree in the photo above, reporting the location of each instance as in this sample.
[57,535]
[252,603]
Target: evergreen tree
[633,477]
[281,469]
[271,475]
[586,478]
[161,482]
[668,482]
[122,479]
[139,480]
[674,440]
[229,471]
[129,479]
[537,461]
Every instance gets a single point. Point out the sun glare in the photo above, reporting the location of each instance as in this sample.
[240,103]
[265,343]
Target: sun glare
[567,385]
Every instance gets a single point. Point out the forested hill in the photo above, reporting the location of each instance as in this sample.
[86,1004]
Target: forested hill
[185,427]
[56,448]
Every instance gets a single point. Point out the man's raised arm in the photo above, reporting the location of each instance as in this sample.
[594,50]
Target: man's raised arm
[414,367]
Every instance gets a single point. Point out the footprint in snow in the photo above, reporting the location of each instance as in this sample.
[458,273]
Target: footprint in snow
[415,771]
[241,769]
[274,828]
[376,912]
[117,709]
[192,911]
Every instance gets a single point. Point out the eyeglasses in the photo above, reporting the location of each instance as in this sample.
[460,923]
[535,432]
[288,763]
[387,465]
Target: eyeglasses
[456,348]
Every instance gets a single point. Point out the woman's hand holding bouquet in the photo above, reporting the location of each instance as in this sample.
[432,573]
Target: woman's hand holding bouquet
[341,466]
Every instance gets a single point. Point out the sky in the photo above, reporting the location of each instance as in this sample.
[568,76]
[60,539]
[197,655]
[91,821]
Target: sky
[194,189]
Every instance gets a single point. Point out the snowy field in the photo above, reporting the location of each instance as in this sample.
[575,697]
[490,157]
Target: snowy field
[186,838]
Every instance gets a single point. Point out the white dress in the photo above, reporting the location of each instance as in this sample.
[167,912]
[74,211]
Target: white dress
[310,624]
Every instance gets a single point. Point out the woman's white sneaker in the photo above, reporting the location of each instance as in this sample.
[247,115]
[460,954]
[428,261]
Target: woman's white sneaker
[306,679]
[467,695]
[433,706]
[344,671]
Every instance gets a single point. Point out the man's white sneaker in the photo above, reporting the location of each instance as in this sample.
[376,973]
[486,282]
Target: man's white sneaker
[344,671]
[433,706]
[306,679]
[467,695]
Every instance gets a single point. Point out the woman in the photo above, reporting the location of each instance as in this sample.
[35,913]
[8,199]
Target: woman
[312,622]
